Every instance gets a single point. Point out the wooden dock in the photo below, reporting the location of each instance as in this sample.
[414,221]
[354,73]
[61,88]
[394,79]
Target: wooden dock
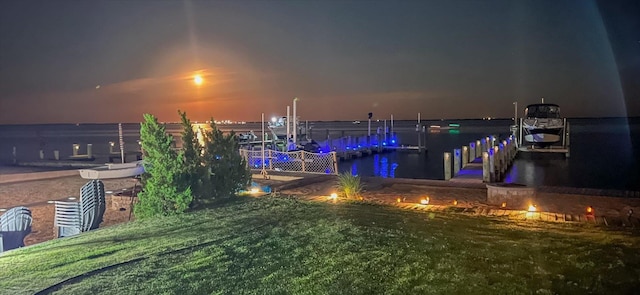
[486,160]
[470,173]
[348,147]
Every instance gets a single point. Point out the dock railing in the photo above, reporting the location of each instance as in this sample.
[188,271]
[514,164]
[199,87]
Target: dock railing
[294,161]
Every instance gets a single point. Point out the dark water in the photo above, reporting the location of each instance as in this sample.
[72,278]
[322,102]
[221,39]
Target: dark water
[603,154]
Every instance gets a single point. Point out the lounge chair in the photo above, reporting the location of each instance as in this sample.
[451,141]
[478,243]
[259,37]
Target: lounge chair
[15,225]
[72,218]
[67,218]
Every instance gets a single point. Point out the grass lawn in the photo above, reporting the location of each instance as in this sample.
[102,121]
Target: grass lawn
[281,246]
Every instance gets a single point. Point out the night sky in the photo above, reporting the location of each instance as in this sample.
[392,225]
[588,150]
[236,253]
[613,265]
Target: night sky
[112,61]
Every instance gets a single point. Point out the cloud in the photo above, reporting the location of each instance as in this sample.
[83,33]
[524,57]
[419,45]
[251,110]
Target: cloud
[212,77]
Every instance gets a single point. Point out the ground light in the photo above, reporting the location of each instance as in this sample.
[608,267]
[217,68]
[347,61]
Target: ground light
[398,200]
[503,205]
[590,210]
[531,211]
[333,196]
[424,201]
[455,202]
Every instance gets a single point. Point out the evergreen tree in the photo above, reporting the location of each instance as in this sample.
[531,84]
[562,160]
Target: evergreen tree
[195,173]
[165,190]
[228,171]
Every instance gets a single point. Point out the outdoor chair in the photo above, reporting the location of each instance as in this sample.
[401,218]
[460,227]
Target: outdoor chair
[15,225]
[93,204]
[72,218]
[67,218]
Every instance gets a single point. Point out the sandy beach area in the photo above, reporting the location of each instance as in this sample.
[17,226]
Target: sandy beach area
[35,194]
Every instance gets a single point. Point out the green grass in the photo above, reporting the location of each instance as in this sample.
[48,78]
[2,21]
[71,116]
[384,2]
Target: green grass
[285,246]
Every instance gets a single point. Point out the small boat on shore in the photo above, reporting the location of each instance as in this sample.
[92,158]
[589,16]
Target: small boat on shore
[110,171]
[542,124]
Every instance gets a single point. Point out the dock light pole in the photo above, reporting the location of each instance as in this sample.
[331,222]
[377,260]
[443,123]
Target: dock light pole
[515,113]
[121,142]
[264,170]
[288,123]
[385,130]
[295,122]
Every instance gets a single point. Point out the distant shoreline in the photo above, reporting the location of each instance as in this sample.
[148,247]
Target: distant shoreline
[363,120]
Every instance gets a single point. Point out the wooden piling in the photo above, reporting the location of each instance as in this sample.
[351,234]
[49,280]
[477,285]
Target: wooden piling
[89,150]
[492,165]
[465,155]
[456,161]
[447,166]
[486,177]
[496,164]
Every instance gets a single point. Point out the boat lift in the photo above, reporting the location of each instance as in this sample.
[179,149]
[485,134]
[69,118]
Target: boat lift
[563,147]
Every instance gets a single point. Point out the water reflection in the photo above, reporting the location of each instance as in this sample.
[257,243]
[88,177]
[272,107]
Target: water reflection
[354,169]
[381,167]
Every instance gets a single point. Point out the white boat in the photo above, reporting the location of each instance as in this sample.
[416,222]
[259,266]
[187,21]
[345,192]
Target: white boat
[250,136]
[109,171]
[542,124]
[278,126]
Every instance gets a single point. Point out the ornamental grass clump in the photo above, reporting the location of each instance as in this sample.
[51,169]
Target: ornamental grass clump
[350,186]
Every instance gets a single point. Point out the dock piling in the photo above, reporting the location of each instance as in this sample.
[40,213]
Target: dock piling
[485,167]
[89,150]
[492,165]
[447,166]
[465,155]
[456,161]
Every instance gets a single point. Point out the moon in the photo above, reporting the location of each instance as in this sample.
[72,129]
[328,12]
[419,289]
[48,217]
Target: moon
[197,79]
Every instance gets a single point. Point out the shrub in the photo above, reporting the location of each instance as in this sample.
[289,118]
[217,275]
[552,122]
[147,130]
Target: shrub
[350,186]
[165,190]
[227,170]
[194,170]
[197,174]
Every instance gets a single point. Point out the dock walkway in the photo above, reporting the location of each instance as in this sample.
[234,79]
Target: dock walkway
[470,173]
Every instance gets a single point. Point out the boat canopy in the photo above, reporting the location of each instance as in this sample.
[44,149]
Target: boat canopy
[542,110]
